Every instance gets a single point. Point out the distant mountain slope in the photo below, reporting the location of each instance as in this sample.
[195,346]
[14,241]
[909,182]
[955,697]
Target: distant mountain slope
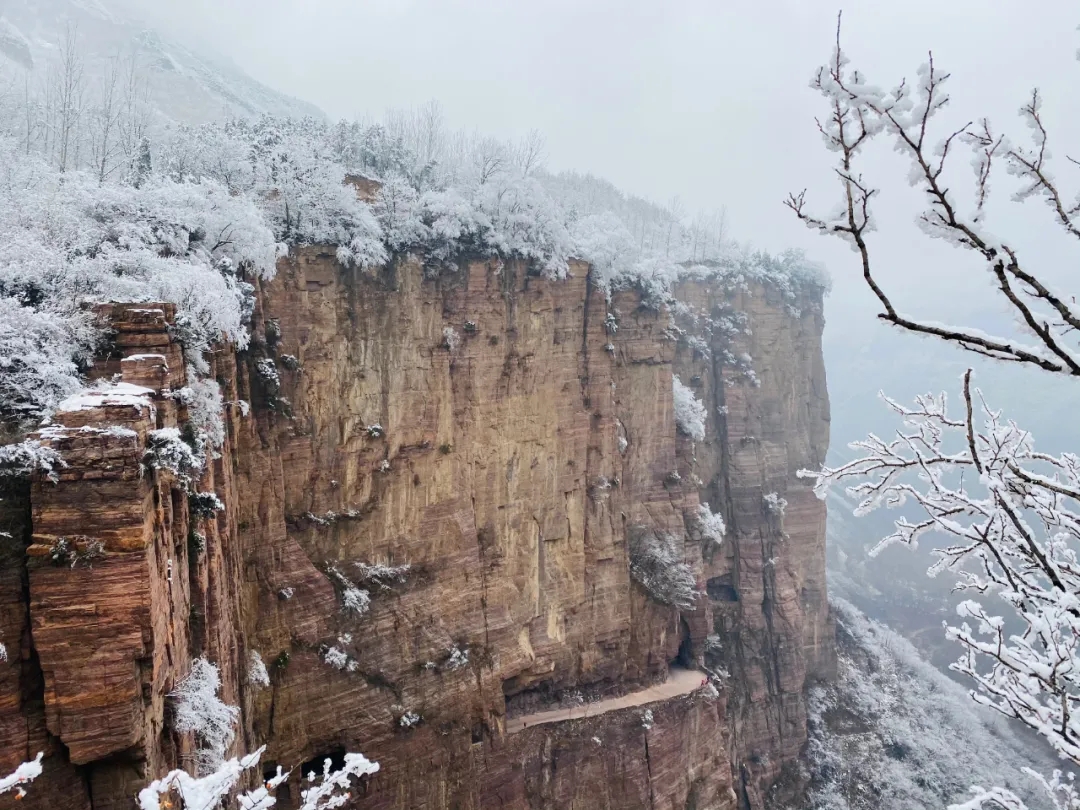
[184,85]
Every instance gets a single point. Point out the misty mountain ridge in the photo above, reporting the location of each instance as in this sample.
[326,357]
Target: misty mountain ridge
[186,85]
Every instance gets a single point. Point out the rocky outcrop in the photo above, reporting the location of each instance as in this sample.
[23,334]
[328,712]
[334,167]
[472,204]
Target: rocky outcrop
[499,434]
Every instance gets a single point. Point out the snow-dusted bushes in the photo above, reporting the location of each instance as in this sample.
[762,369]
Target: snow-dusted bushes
[381,575]
[689,411]
[289,170]
[69,239]
[40,353]
[166,450]
[204,404]
[28,457]
[256,670]
[711,526]
[219,202]
[354,600]
[656,563]
[198,709]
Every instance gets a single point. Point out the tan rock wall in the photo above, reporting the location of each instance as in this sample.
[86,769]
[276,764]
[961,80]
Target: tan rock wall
[493,465]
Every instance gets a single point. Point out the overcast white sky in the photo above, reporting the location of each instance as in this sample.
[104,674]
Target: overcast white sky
[707,99]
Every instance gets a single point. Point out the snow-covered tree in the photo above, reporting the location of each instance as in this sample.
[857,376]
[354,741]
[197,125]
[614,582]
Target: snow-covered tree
[689,410]
[198,709]
[656,563]
[1010,513]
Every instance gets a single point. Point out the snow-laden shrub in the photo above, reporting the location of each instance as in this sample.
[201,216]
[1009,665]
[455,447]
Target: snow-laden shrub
[30,456]
[268,373]
[40,352]
[710,525]
[203,505]
[198,709]
[166,450]
[381,575]
[289,170]
[656,563]
[689,411]
[451,339]
[202,398]
[256,670]
[337,657]
[354,600]
[457,658]
[67,239]
[774,504]
[409,719]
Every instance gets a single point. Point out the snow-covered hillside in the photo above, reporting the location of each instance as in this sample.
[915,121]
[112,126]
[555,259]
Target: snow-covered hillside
[185,86]
[893,733]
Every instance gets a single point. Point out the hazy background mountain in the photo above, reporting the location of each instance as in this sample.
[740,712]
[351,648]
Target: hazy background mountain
[187,83]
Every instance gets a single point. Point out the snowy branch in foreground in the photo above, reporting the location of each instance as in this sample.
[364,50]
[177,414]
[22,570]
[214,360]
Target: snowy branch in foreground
[859,112]
[1060,791]
[332,789]
[208,792]
[1012,515]
[23,775]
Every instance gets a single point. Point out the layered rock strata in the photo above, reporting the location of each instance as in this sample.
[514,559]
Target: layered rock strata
[426,513]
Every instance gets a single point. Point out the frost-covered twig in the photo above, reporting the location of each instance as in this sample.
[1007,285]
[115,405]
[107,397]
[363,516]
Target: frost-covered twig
[26,773]
[858,112]
[1012,515]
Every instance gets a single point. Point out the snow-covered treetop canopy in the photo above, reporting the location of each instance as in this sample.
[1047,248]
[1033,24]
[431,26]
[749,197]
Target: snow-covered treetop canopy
[446,195]
[192,215]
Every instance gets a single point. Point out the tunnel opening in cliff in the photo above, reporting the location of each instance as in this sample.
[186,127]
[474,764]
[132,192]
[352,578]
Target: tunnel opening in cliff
[316,763]
[685,656]
[722,589]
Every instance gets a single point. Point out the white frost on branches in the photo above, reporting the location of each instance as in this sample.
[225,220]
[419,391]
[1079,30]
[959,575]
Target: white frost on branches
[1012,515]
[689,411]
[256,670]
[166,450]
[26,773]
[774,504]
[208,792]
[28,457]
[711,525]
[656,563]
[202,793]
[199,710]
[332,789]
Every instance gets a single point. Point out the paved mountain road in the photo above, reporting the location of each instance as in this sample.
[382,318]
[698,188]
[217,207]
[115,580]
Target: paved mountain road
[679,682]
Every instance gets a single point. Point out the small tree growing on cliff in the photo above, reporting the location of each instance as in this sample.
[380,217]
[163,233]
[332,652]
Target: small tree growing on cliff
[1011,512]
[656,563]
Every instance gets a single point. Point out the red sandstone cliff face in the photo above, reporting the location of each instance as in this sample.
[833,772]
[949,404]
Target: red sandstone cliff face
[504,465]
